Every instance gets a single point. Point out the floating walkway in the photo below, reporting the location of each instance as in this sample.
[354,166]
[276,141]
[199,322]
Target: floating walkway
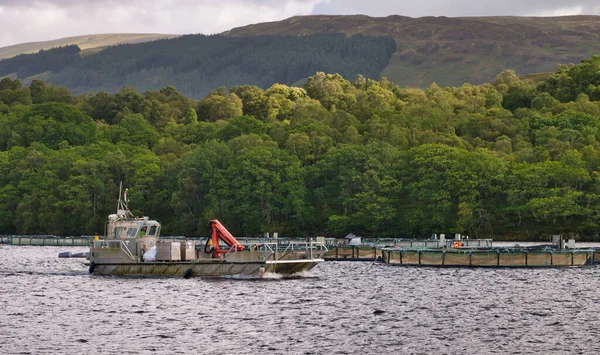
[489,257]
[43,240]
[372,249]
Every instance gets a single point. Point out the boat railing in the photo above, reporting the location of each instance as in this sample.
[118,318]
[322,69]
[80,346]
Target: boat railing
[113,244]
[280,250]
[301,245]
[229,251]
[108,244]
[265,246]
[258,246]
[291,246]
[125,248]
[305,245]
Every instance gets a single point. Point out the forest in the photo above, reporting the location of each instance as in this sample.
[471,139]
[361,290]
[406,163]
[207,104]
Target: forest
[510,159]
[187,62]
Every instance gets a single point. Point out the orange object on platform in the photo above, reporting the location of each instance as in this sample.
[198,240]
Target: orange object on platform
[218,231]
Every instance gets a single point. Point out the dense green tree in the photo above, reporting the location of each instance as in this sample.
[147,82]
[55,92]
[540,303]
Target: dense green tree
[135,130]
[507,160]
[254,101]
[264,190]
[12,92]
[218,105]
[41,93]
[438,180]
[353,188]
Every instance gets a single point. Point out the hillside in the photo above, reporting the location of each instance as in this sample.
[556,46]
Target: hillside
[84,42]
[447,51]
[198,64]
[452,51]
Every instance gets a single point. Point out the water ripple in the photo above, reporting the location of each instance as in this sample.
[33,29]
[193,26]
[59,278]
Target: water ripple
[52,306]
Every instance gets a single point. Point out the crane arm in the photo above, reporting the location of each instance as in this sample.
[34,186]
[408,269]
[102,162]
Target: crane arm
[218,231]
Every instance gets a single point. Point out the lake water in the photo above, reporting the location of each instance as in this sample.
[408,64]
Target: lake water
[53,306]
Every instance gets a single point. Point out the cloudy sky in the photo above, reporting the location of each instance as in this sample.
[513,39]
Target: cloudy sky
[39,20]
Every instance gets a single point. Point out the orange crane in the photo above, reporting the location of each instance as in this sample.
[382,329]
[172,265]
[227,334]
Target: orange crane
[218,231]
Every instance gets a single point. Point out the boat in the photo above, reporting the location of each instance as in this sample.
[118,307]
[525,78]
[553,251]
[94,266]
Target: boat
[132,246]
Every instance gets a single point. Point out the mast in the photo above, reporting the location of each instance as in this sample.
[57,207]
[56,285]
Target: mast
[122,209]
[119,200]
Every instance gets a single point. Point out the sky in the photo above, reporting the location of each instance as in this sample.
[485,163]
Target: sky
[41,20]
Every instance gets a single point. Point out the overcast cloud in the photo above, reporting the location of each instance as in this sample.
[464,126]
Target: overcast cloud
[40,20]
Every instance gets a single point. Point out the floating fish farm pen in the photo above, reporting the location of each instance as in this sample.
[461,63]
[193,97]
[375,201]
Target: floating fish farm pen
[370,249]
[352,253]
[45,240]
[488,257]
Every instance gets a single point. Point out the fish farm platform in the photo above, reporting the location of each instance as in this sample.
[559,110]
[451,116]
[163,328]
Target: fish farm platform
[489,257]
[45,240]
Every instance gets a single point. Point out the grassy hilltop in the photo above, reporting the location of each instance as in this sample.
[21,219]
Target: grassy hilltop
[411,52]
[87,42]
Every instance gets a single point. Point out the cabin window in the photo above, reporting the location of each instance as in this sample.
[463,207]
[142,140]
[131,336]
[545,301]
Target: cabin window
[117,232]
[152,230]
[131,232]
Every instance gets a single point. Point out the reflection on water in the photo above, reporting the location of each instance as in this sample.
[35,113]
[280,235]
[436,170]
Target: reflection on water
[52,305]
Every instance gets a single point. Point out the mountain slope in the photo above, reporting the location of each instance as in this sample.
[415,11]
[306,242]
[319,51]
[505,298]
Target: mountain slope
[198,64]
[84,42]
[452,51]
[448,51]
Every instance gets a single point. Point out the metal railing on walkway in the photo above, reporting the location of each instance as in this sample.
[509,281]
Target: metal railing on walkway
[43,240]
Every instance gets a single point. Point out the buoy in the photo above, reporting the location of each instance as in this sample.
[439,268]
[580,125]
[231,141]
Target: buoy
[92,267]
[65,254]
[187,274]
[457,244]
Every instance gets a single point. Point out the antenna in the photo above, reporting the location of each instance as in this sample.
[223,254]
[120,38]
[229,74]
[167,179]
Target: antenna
[119,200]
[122,209]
